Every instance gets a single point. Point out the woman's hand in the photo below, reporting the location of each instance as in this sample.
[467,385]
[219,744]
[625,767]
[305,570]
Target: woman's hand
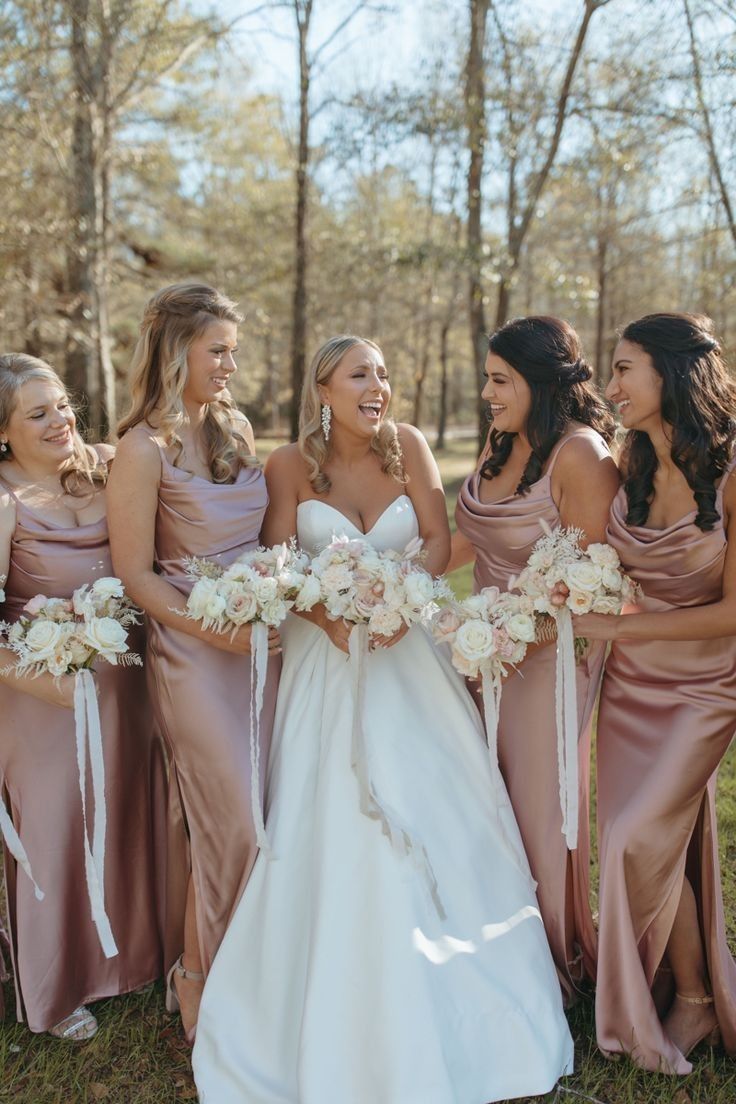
[597,626]
[388,641]
[338,632]
[239,642]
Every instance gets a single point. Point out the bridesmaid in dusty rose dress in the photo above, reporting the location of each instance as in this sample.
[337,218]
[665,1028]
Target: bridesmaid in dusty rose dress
[53,538]
[546,461]
[186,483]
[668,702]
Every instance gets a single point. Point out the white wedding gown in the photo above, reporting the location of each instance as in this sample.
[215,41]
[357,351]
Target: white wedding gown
[363,970]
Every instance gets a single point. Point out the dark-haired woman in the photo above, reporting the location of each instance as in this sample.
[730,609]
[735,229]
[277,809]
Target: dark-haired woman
[668,703]
[546,461]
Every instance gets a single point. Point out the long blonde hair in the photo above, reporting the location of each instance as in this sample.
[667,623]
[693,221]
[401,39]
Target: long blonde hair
[311,441]
[84,470]
[173,318]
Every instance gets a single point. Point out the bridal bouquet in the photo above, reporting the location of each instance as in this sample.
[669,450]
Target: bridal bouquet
[560,579]
[382,590]
[66,636]
[487,632]
[257,589]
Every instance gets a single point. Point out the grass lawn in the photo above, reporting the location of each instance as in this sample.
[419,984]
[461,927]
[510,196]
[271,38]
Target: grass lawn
[139,1057]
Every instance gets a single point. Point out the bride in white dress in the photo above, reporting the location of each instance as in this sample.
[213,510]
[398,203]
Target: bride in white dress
[355,971]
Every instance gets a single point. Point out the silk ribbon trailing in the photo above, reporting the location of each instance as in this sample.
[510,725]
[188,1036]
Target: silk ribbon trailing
[258,671]
[89,742]
[566,712]
[491,687]
[371,805]
[15,847]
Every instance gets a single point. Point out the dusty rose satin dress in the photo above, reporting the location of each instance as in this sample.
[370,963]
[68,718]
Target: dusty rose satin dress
[503,534]
[57,959]
[667,716]
[202,694]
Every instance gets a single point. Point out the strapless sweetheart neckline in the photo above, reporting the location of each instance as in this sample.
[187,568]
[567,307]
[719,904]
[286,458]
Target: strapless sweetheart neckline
[345,518]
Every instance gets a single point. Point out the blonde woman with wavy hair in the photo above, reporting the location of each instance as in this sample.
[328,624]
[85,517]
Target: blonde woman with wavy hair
[53,539]
[186,483]
[339,979]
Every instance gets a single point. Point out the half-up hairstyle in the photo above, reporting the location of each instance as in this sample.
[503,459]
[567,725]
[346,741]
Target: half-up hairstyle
[84,470]
[174,318]
[311,441]
[548,354]
[698,403]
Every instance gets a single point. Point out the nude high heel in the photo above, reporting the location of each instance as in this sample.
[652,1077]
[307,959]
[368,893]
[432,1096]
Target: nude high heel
[172,997]
[711,1035]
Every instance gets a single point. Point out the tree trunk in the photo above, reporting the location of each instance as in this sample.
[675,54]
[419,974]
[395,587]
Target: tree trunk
[81,365]
[475,121]
[444,375]
[299,301]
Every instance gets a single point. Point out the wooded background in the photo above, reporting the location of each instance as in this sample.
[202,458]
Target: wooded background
[575,158]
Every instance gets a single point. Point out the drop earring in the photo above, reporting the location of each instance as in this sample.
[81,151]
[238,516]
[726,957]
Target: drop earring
[3,446]
[326,421]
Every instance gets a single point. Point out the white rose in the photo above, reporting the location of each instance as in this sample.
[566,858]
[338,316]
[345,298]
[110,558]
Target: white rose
[607,603]
[603,555]
[274,612]
[474,641]
[241,607]
[42,640]
[215,606]
[200,595]
[583,576]
[580,601]
[385,621]
[611,578]
[107,587]
[475,606]
[266,590]
[419,589]
[464,666]
[60,662]
[309,593]
[106,636]
[521,627]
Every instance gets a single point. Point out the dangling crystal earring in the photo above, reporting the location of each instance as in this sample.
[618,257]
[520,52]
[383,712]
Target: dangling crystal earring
[4,446]
[326,421]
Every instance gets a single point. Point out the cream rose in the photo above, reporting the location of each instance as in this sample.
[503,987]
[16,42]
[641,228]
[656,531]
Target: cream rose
[384,621]
[107,636]
[580,601]
[445,624]
[474,641]
[274,612]
[107,587]
[200,595]
[582,575]
[43,639]
[309,593]
[603,555]
[521,627]
[607,603]
[612,578]
[419,589]
[241,607]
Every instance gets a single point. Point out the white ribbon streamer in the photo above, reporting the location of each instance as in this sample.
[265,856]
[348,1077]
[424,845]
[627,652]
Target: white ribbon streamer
[258,670]
[15,847]
[566,713]
[89,739]
[398,833]
[491,688]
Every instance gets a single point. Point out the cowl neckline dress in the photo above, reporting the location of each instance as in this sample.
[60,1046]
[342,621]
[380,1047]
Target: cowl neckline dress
[503,534]
[57,959]
[202,695]
[667,715]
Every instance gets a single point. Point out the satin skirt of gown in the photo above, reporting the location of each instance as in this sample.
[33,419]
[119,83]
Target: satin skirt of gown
[667,716]
[201,696]
[340,979]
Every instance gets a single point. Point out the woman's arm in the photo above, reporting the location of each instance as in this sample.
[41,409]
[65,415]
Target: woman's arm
[694,623]
[585,481]
[461,552]
[284,474]
[424,488]
[132,504]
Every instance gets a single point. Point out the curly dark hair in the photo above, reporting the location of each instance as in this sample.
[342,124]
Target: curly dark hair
[698,402]
[547,353]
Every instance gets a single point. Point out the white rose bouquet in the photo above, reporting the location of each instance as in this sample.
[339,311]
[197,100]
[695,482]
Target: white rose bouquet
[560,579]
[257,589]
[67,636]
[487,632]
[382,590]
